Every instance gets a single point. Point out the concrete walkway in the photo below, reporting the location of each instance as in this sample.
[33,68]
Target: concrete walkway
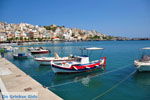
[12,79]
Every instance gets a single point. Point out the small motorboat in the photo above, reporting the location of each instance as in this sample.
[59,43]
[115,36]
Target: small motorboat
[21,56]
[39,50]
[31,48]
[143,64]
[80,64]
[8,48]
[48,60]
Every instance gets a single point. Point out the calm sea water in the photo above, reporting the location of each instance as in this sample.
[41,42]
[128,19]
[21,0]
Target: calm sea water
[115,83]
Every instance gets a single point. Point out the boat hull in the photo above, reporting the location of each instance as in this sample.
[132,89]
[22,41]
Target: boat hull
[142,66]
[39,52]
[69,71]
[44,62]
[8,50]
[23,57]
[47,61]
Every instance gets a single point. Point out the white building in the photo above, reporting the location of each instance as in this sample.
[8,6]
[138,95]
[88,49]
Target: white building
[3,37]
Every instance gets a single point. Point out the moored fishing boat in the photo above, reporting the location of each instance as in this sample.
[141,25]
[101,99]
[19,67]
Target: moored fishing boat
[8,48]
[31,48]
[80,64]
[21,56]
[48,60]
[143,64]
[39,51]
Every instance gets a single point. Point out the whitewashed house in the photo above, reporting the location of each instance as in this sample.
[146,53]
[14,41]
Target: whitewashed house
[3,37]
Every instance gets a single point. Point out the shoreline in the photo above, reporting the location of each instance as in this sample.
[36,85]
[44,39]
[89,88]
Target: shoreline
[19,82]
[61,41]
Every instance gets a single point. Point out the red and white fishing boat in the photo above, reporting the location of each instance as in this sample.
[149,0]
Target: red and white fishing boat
[48,60]
[39,51]
[80,64]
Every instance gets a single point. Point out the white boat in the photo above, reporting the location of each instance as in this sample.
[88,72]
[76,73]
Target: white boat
[48,60]
[143,64]
[31,48]
[80,64]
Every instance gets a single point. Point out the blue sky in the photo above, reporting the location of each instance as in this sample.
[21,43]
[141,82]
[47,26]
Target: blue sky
[130,18]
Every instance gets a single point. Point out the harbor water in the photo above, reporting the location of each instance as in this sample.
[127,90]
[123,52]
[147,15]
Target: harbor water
[120,80]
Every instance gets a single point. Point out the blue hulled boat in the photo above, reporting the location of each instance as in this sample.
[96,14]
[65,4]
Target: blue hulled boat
[21,56]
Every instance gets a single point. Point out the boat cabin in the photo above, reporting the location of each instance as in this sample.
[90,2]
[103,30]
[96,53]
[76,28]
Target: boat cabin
[146,54]
[145,58]
[82,59]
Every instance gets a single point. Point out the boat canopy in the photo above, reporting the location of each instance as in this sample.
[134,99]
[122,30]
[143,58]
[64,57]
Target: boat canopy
[94,48]
[146,48]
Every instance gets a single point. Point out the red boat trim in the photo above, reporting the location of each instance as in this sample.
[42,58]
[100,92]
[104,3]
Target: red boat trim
[71,68]
[86,66]
[39,52]
[52,60]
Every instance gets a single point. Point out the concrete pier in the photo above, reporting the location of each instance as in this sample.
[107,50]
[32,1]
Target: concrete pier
[12,79]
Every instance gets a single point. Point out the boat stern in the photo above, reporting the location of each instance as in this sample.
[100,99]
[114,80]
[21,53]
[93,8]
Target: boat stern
[103,62]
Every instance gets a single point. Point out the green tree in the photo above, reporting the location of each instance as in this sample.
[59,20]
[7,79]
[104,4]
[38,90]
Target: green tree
[40,39]
[16,38]
[2,50]
[21,38]
[50,28]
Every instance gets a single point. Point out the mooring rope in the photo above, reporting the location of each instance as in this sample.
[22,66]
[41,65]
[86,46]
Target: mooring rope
[114,86]
[90,77]
[111,71]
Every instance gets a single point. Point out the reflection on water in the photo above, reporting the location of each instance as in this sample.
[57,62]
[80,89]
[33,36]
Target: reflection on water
[142,78]
[83,78]
[85,81]
[43,68]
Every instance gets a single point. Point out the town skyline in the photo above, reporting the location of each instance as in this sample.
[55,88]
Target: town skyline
[27,32]
[24,32]
[126,18]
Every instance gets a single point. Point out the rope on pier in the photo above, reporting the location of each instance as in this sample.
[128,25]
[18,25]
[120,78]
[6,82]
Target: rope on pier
[91,76]
[114,86]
